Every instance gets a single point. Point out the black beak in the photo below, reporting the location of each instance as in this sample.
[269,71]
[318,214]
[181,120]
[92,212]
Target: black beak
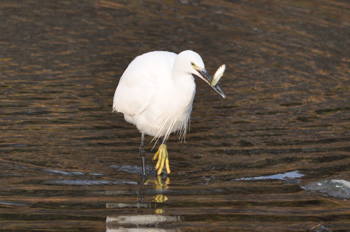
[205,74]
[218,90]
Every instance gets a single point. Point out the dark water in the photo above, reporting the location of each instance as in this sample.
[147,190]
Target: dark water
[68,164]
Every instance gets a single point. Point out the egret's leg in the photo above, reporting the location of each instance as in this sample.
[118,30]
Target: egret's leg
[142,154]
[163,160]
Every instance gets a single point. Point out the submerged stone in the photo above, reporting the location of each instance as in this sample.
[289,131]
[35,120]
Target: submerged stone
[334,188]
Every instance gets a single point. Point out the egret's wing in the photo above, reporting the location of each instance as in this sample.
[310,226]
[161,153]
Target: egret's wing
[140,81]
[134,93]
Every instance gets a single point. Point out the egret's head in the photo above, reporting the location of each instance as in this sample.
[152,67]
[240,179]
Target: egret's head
[194,64]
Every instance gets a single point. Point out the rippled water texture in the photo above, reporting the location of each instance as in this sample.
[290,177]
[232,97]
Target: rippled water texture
[67,163]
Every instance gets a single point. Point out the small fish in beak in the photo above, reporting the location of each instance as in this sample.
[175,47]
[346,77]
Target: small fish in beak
[217,76]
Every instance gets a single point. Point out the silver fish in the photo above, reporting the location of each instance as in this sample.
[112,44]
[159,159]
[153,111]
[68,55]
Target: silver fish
[218,74]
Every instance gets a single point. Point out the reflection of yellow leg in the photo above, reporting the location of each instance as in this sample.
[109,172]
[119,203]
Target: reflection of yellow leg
[159,211]
[159,186]
[163,160]
[158,183]
[160,198]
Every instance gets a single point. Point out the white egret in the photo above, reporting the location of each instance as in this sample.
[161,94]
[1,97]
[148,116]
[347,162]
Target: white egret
[155,93]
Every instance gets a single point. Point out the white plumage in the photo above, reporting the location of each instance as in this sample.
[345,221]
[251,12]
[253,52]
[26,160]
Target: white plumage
[156,92]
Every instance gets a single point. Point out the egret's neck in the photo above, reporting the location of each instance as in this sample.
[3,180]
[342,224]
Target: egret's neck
[184,86]
[184,89]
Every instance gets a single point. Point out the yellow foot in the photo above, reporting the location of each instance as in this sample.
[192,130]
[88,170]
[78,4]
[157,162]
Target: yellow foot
[163,160]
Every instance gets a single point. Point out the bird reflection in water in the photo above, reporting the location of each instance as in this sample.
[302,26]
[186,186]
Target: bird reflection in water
[145,222]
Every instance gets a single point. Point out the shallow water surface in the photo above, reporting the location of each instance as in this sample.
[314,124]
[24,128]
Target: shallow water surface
[67,163]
